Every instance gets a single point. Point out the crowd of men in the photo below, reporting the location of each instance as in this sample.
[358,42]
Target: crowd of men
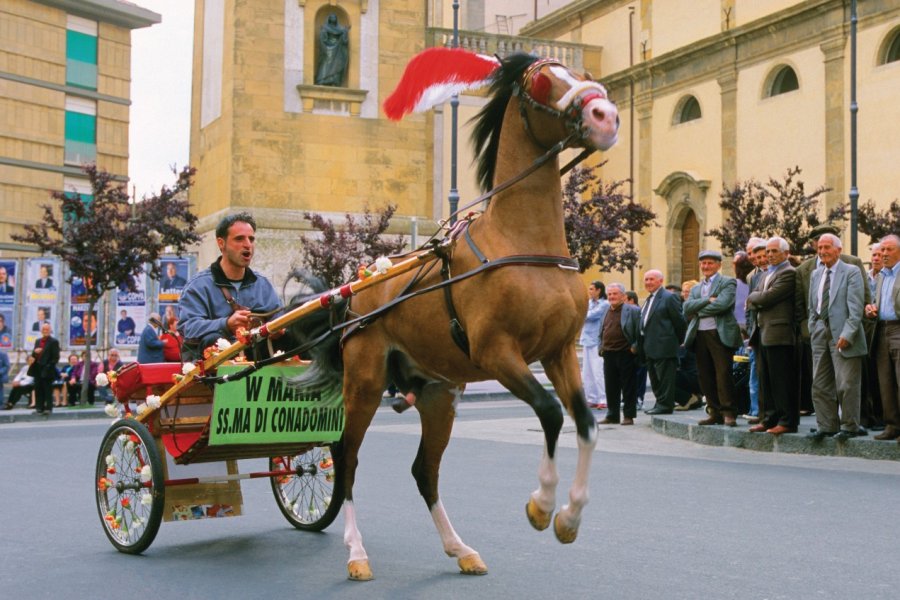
[822,336]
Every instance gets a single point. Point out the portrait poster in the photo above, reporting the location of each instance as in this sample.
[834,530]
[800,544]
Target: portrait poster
[35,316]
[131,312]
[42,276]
[81,325]
[8,282]
[174,278]
[6,327]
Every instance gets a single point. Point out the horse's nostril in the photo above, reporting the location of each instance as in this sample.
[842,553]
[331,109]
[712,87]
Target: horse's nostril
[599,114]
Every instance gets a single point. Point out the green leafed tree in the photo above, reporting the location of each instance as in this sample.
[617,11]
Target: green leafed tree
[601,221]
[107,241]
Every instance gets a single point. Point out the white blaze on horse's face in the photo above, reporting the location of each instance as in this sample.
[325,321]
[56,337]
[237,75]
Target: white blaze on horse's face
[599,114]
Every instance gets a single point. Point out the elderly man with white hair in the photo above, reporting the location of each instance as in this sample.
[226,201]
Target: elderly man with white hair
[835,303]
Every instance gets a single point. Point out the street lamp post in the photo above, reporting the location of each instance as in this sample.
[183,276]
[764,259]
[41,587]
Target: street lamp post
[453,196]
[854,108]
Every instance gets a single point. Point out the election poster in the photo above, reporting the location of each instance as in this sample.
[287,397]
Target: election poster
[131,312]
[175,272]
[6,327]
[42,276]
[8,282]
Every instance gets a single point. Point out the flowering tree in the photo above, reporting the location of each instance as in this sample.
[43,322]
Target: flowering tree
[599,228]
[107,241]
[777,207]
[877,224]
[338,253]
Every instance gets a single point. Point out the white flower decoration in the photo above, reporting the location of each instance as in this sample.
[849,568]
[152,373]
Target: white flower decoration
[129,447]
[110,460]
[146,499]
[222,344]
[102,380]
[123,439]
[153,402]
[142,408]
[111,410]
[382,264]
[186,368]
[136,522]
[146,475]
[278,353]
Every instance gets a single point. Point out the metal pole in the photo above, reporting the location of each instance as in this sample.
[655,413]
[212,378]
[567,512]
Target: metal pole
[854,108]
[631,120]
[454,107]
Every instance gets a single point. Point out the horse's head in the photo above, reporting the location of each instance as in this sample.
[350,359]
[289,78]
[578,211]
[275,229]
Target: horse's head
[582,105]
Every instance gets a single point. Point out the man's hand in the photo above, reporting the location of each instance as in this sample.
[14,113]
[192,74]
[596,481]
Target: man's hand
[239,318]
[871,311]
[841,343]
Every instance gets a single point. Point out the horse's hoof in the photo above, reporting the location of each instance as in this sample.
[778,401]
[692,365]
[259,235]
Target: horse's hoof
[565,535]
[472,565]
[539,519]
[358,570]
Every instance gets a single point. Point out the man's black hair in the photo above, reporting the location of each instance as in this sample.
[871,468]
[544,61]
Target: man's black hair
[227,222]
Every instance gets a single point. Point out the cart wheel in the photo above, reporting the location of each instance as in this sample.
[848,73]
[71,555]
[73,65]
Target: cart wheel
[309,497]
[130,488]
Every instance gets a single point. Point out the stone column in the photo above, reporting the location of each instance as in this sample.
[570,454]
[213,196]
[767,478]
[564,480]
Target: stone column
[835,113]
[643,104]
[728,88]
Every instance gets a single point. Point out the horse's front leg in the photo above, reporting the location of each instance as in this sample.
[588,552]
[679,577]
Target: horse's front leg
[513,373]
[437,410]
[564,374]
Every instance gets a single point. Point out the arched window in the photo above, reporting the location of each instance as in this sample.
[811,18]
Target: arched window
[688,110]
[784,81]
[891,52]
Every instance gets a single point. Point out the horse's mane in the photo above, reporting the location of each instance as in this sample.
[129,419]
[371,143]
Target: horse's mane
[489,120]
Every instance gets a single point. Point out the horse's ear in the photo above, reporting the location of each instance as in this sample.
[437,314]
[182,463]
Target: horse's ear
[588,76]
[433,76]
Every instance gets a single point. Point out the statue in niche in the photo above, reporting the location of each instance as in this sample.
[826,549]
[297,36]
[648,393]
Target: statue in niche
[333,53]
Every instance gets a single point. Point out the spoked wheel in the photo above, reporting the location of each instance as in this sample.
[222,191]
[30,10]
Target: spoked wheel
[130,488]
[310,497]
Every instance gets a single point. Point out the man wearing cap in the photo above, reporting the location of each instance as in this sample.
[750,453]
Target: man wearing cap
[662,329]
[886,310]
[713,334]
[756,248]
[773,301]
[804,274]
[835,306]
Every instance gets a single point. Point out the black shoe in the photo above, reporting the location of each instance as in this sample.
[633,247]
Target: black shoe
[818,436]
[843,435]
[658,410]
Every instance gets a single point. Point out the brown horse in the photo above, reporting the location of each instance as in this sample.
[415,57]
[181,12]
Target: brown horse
[512,315]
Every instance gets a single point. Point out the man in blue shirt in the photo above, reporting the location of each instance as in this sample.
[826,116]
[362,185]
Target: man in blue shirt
[220,299]
[886,310]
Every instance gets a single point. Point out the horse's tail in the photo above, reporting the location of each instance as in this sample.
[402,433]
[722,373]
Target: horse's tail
[326,372]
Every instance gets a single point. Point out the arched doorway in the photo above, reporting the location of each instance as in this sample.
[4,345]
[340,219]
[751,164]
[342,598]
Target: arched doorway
[690,247]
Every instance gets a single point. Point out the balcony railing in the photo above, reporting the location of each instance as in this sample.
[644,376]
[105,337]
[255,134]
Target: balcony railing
[571,55]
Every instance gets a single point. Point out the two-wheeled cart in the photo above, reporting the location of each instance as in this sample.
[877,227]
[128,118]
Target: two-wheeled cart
[180,463]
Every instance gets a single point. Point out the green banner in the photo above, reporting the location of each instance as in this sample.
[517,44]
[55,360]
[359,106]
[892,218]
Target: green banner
[265,408]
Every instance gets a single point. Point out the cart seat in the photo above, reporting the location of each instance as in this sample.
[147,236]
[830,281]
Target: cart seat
[135,377]
[178,443]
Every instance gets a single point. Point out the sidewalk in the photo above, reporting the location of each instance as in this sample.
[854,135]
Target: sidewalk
[681,425]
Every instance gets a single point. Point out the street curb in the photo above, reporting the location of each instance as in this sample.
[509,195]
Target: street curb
[23,415]
[790,443]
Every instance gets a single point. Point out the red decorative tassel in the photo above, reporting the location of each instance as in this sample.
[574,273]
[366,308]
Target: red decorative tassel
[433,76]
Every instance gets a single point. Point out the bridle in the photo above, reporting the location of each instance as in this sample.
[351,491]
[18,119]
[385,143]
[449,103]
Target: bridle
[569,108]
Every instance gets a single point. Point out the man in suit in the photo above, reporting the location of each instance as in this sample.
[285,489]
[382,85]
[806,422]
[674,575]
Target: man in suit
[835,306]
[713,334]
[756,248]
[620,335]
[662,330]
[6,286]
[775,310]
[46,355]
[172,280]
[804,273]
[44,282]
[886,309]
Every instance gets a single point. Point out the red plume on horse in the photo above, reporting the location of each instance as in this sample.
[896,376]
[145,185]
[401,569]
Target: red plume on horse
[506,294]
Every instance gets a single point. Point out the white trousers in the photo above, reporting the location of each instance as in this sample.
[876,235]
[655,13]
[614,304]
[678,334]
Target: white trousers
[592,376]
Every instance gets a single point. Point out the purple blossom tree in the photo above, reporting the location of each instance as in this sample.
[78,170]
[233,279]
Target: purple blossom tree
[108,241]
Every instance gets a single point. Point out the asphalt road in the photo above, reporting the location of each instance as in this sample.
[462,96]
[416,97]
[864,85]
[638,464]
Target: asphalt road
[667,519]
